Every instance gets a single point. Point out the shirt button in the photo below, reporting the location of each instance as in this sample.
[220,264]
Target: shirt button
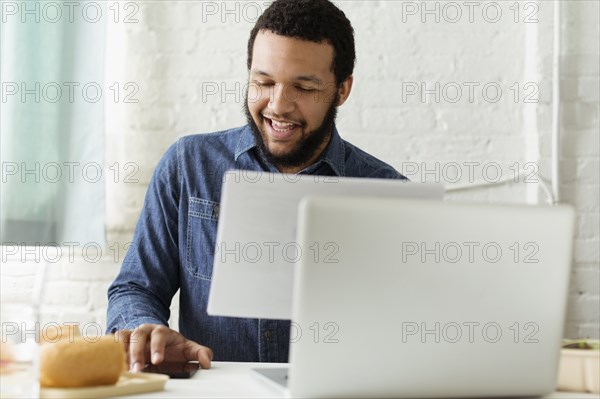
[267,335]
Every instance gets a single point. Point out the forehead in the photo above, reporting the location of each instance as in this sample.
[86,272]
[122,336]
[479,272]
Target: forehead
[284,57]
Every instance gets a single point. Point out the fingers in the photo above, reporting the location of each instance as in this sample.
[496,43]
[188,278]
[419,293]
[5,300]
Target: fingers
[204,357]
[137,347]
[199,353]
[159,338]
[154,343]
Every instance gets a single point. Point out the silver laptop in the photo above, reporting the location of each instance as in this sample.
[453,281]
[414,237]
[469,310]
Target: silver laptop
[256,244]
[429,299]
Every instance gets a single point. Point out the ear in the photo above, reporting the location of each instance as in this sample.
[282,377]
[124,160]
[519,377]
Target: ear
[344,90]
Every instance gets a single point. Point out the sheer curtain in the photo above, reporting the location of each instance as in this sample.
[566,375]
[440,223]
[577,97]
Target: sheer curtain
[52,123]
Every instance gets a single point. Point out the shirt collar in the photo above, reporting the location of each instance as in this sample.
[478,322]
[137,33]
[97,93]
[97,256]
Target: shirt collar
[246,142]
[334,154]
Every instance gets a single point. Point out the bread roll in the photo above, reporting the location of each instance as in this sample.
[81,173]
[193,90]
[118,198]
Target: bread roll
[81,362]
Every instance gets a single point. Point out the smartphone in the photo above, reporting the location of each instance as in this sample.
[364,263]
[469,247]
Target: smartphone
[173,369]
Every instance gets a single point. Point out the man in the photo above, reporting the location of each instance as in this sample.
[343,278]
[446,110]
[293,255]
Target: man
[300,59]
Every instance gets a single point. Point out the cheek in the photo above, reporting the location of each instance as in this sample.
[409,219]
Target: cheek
[255,108]
[313,113]
[256,101]
[254,94]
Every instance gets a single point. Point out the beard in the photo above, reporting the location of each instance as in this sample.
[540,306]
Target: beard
[305,149]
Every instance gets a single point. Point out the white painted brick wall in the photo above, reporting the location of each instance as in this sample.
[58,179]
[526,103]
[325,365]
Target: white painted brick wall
[180,49]
[580,151]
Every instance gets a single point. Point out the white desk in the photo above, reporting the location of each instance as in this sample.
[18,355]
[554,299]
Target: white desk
[226,380]
[222,380]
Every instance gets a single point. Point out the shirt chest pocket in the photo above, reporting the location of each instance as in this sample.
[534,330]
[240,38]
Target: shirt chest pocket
[203,216]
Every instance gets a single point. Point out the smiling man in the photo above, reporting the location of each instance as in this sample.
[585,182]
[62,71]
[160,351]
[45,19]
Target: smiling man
[294,98]
[300,60]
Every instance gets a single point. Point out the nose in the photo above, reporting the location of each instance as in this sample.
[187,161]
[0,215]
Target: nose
[280,100]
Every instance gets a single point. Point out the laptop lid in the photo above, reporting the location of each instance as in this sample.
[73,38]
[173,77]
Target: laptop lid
[429,299]
[256,246]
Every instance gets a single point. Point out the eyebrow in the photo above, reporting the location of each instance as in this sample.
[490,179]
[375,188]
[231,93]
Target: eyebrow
[303,78]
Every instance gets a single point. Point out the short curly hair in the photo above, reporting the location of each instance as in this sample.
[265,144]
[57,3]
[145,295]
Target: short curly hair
[318,21]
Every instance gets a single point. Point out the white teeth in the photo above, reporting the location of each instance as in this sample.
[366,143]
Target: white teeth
[281,126]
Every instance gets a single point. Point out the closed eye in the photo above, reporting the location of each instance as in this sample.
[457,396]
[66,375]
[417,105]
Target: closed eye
[306,89]
[263,84]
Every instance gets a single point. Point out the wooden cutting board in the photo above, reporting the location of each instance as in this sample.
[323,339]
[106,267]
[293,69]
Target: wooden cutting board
[128,384]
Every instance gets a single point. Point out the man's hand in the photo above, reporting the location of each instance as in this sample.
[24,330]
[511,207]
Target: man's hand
[157,343]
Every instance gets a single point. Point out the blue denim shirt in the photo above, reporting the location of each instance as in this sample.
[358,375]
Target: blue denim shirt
[180,212]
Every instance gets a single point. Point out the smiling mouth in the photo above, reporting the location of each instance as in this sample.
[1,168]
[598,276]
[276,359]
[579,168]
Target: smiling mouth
[281,130]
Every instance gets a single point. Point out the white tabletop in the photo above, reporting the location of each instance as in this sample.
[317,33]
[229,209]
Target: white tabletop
[222,380]
[226,380]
